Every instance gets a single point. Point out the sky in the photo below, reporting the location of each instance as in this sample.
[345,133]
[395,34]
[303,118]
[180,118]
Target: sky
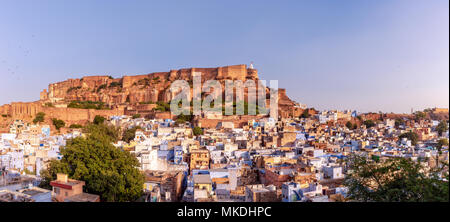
[364,55]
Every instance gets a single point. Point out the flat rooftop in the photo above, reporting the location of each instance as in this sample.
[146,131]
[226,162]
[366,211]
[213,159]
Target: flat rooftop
[83,197]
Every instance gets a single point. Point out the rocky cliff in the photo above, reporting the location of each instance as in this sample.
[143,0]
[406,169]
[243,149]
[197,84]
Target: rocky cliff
[136,89]
[129,94]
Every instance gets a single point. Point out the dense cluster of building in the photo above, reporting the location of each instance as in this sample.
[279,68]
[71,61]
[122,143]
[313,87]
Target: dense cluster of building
[263,160]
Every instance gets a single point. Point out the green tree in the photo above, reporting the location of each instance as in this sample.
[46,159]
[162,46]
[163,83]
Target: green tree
[420,115]
[75,126]
[305,114]
[399,122]
[349,125]
[107,171]
[394,180]
[40,117]
[197,131]
[162,106]
[54,167]
[136,116]
[410,136]
[369,123]
[184,118]
[99,120]
[87,105]
[58,123]
[441,143]
[442,127]
[106,131]
[130,134]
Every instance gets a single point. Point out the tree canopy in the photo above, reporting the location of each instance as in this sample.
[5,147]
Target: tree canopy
[40,117]
[349,125]
[410,136]
[197,131]
[75,126]
[58,123]
[305,114]
[184,118]
[130,134]
[399,122]
[107,171]
[99,120]
[420,115]
[395,180]
[369,123]
[442,127]
[442,142]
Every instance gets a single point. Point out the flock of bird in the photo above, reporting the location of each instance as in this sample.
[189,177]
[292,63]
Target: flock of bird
[12,70]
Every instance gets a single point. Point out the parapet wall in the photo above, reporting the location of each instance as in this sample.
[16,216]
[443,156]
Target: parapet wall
[28,111]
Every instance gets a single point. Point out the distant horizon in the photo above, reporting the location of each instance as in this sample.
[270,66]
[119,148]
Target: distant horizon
[368,56]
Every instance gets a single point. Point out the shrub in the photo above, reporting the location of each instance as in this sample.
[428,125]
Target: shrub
[162,106]
[410,136]
[58,123]
[99,120]
[87,105]
[197,131]
[40,117]
[305,114]
[75,126]
[49,105]
[115,84]
[101,87]
[349,125]
[369,123]
[73,88]
[130,134]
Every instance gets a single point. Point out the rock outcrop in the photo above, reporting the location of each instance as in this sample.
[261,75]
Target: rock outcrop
[129,94]
[137,89]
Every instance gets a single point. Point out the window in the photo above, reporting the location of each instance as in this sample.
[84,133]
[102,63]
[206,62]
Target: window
[66,193]
[56,190]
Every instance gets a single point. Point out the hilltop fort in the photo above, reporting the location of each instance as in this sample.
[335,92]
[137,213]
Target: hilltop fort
[77,101]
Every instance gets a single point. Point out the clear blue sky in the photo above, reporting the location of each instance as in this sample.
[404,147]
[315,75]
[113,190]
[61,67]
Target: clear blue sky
[368,55]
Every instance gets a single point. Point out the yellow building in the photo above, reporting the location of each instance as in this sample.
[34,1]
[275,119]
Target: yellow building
[203,182]
[199,159]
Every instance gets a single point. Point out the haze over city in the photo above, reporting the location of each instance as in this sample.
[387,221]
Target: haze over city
[375,56]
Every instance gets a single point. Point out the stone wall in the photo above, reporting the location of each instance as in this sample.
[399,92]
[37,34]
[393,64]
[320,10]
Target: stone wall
[28,111]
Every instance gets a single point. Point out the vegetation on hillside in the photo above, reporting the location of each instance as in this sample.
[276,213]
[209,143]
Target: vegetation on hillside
[40,117]
[369,123]
[87,105]
[442,127]
[129,134]
[410,136]
[305,114]
[58,123]
[99,120]
[162,106]
[197,131]
[75,126]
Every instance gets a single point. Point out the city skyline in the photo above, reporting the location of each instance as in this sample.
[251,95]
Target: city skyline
[399,47]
